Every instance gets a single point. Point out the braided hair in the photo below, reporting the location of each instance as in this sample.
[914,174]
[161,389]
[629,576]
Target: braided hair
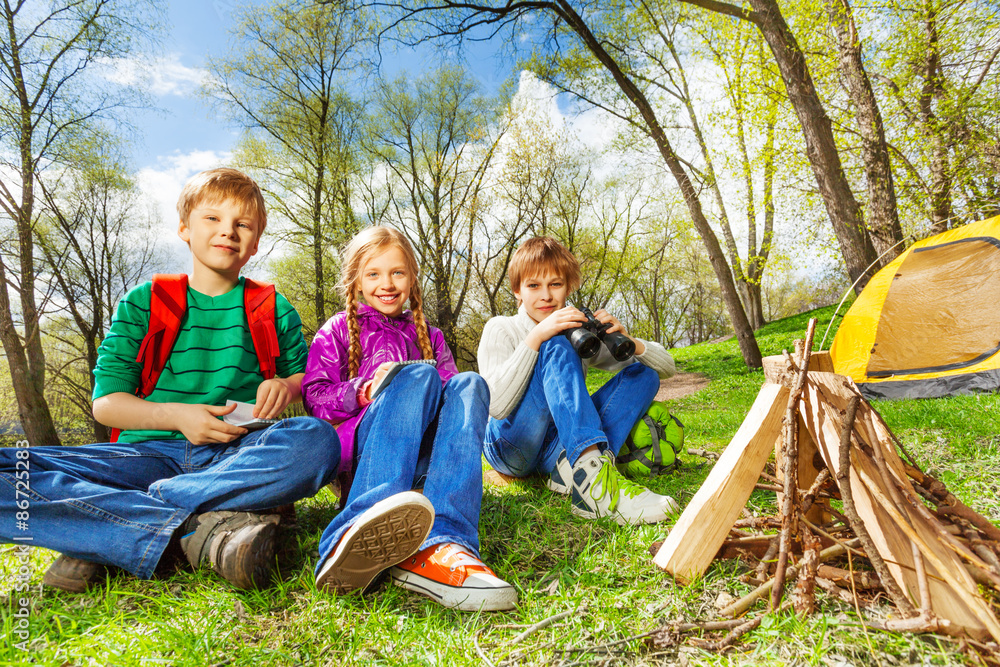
[367,244]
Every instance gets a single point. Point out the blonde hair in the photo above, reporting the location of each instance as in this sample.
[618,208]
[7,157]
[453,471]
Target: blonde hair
[541,255]
[367,244]
[219,185]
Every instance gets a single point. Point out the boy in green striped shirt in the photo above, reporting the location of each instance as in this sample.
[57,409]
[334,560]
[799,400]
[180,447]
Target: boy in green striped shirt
[178,473]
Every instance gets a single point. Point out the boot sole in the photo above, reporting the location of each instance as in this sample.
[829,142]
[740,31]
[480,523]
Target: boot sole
[386,534]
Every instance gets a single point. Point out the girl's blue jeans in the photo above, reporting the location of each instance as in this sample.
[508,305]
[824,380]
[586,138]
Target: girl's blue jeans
[119,503]
[557,414]
[418,429]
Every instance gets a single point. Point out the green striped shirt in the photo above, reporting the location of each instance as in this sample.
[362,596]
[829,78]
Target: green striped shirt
[212,360]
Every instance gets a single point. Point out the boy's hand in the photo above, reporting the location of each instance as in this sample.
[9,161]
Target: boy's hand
[559,321]
[604,317]
[273,396]
[201,426]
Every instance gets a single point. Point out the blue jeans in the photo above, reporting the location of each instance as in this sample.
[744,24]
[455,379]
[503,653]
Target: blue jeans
[556,413]
[119,503]
[418,428]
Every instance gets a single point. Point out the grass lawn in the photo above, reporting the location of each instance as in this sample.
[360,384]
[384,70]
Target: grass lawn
[600,571]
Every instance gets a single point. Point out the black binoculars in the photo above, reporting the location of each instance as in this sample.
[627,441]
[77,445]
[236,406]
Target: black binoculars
[587,339]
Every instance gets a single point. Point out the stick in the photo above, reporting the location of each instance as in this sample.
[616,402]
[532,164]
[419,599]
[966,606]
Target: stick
[789,518]
[764,567]
[810,497]
[736,632]
[544,623]
[897,497]
[740,606]
[804,600]
[482,656]
[980,612]
[847,495]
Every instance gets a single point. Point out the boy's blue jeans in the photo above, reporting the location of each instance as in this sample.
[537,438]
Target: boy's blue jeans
[119,503]
[556,413]
[416,427]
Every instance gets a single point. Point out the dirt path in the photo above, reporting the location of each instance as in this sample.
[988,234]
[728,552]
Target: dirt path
[680,385]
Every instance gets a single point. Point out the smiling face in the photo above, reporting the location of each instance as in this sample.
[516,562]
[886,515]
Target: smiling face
[222,238]
[386,282]
[543,295]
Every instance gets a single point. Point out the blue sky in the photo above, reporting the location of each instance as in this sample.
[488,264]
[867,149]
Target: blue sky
[199,30]
[184,135]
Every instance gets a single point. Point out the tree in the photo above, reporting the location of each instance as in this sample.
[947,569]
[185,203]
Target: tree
[940,67]
[287,86]
[593,53]
[51,95]
[430,135]
[95,236]
[883,215]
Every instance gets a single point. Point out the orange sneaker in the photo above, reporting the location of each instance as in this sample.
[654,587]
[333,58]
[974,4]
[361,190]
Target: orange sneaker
[455,578]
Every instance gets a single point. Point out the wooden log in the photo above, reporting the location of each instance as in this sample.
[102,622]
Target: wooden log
[777,370]
[893,529]
[705,523]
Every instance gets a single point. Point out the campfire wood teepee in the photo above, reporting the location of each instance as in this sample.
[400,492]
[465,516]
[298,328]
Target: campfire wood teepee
[929,551]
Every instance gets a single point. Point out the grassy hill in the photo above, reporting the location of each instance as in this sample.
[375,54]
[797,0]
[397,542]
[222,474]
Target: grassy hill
[598,571]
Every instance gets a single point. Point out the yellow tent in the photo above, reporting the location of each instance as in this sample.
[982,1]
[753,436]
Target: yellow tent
[928,324]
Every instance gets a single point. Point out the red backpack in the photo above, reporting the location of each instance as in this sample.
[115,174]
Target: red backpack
[167,306]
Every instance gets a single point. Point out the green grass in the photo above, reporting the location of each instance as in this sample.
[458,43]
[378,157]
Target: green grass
[600,570]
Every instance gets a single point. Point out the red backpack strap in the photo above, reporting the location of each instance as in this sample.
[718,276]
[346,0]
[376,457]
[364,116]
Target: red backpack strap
[259,299]
[167,305]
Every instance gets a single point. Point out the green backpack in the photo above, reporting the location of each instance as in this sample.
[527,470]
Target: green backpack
[639,457]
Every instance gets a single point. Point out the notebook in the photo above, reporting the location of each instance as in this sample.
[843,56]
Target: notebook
[395,368]
[243,416]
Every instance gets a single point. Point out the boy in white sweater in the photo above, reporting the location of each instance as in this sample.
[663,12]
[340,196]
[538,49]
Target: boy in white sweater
[542,418]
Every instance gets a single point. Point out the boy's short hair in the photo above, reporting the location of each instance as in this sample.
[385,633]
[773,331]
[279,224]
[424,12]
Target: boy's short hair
[219,185]
[539,256]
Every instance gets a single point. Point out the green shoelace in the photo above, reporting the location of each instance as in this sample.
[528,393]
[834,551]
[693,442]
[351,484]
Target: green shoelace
[613,483]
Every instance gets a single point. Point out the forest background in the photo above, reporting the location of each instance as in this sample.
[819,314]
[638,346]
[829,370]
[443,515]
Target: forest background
[713,165]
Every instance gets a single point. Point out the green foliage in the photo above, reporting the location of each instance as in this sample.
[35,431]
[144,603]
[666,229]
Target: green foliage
[600,571]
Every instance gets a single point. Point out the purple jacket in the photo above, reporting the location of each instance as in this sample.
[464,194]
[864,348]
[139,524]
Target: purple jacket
[326,391]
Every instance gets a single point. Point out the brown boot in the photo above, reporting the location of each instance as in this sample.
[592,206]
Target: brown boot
[74,574]
[239,546]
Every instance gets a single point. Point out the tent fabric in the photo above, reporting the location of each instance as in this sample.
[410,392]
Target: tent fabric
[928,324]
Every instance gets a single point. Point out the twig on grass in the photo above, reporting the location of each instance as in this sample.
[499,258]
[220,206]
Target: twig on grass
[544,623]
[482,656]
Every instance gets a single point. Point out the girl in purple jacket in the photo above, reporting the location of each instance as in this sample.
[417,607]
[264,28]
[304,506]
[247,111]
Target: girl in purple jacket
[424,428]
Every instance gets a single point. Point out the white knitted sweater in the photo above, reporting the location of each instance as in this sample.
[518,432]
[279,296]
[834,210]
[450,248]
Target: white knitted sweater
[506,361]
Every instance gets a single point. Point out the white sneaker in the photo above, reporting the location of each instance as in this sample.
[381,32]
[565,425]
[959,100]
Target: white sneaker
[600,490]
[387,533]
[561,478]
[454,578]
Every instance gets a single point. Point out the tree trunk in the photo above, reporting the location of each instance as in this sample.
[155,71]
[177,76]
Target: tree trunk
[883,216]
[730,297]
[932,89]
[841,206]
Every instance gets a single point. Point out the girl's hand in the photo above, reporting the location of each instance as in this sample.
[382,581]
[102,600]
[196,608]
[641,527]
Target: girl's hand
[604,317]
[380,372]
[553,325]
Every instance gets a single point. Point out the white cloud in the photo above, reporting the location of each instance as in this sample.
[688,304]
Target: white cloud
[160,76]
[162,184]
